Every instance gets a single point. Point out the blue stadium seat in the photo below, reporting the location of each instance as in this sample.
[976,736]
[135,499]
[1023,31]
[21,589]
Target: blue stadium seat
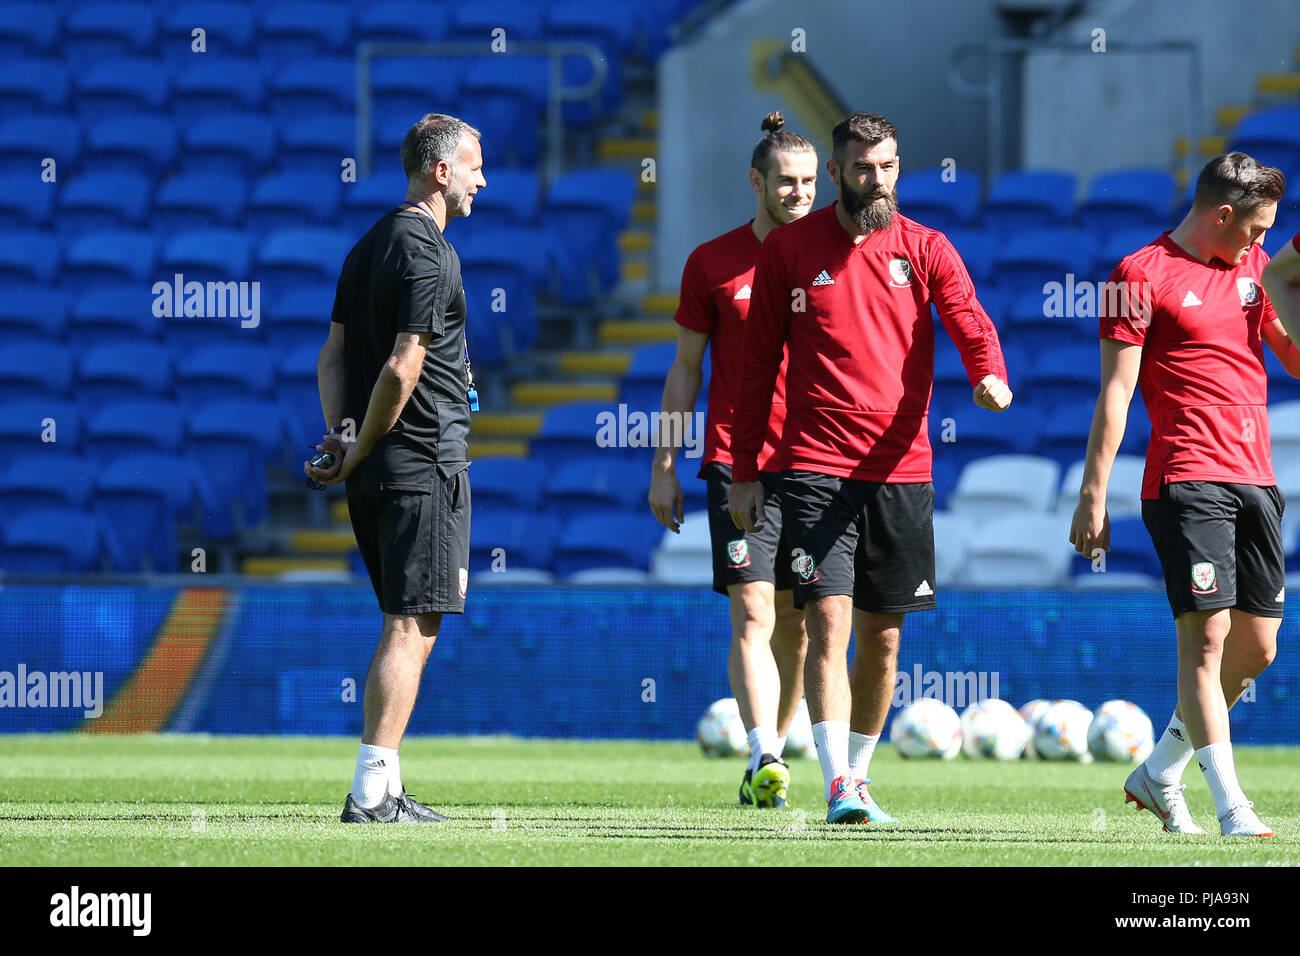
[192,200]
[643,382]
[504,483]
[1115,247]
[506,95]
[26,142]
[49,480]
[500,282]
[132,427]
[368,199]
[95,201]
[978,250]
[1066,374]
[27,29]
[101,31]
[612,27]
[606,539]
[1029,199]
[1064,437]
[143,497]
[128,85]
[208,255]
[569,430]
[32,427]
[293,30]
[597,482]
[952,387]
[21,206]
[1272,137]
[401,22]
[300,318]
[1028,321]
[586,209]
[319,143]
[58,541]
[310,87]
[1030,259]
[111,255]
[114,313]
[512,199]
[34,370]
[32,85]
[27,256]
[222,142]
[294,198]
[227,29]
[924,195]
[521,20]
[526,539]
[401,87]
[224,373]
[123,371]
[213,84]
[1128,199]
[237,440]
[29,312]
[288,258]
[1131,551]
[297,391]
[977,433]
[144,143]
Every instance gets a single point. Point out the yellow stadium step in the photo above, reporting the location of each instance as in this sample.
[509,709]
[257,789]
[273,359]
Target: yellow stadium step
[631,241]
[262,566]
[505,425]
[543,394]
[1229,116]
[339,512]
[497,448]
[1210,146]
[645,210]
[323,541]
[636,331]
[634,270]
[626,147]
[650,117]
[660,303]
[646,186]
[1278,84]
[594,363]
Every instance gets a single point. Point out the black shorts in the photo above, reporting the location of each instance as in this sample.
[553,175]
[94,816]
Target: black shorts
[738,556]
[873,540]
[1220,545]
[416,544]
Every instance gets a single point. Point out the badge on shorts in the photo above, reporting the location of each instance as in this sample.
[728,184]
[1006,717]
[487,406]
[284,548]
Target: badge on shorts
[738,553]
[1247,290]
[464,581]
[900,272]
[1203,578]
[804,566]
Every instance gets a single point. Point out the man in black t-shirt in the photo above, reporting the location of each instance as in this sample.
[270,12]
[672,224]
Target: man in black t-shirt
[396,390]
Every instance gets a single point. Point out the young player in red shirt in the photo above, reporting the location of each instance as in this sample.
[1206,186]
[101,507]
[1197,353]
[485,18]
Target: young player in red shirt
[1186,321]
[765,664]
[847,291]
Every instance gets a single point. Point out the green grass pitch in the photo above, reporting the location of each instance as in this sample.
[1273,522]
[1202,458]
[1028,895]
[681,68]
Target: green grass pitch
[196,800]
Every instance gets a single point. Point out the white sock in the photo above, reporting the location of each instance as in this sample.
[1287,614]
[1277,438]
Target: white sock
[861,747]
[378,772]
[832,739]
[761,741]
[780,747]
[1221,775]
[1172,752]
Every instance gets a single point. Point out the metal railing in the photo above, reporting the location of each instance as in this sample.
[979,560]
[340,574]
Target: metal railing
[993,94]
[557,94]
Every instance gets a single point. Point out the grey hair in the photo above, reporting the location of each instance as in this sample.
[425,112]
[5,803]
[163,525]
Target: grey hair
[434,139]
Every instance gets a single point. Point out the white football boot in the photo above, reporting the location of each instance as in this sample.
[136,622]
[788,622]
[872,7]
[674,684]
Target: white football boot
[1241,821]
[1165,800]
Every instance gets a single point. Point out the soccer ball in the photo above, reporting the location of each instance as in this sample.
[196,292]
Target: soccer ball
[1062,731]
[799,741]
[992,728]
[926,728]
[1030,714]
[1121,732]
[720,732]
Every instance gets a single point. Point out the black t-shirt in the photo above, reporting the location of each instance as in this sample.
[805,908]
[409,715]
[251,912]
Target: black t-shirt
[403,276]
